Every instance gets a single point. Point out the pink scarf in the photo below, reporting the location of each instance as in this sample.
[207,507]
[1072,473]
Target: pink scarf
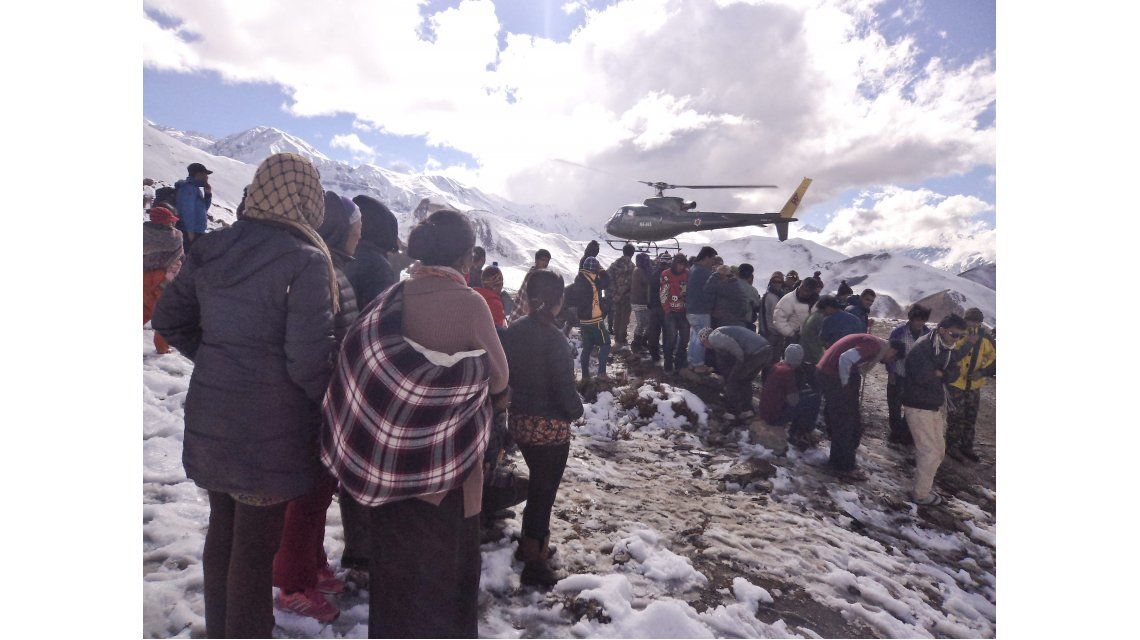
[419,270]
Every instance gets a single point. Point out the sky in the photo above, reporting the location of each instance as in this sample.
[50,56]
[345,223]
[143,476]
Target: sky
[889,105]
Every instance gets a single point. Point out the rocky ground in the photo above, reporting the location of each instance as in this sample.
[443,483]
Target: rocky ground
[670,523]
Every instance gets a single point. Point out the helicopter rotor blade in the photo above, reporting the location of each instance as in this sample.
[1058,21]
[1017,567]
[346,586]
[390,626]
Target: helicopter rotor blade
[594,169]
[723,186]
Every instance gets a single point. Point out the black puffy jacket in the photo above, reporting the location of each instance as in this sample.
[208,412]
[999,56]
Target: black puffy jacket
[922,389]
[349,310]
[542,370]
[369,272]
[252,308]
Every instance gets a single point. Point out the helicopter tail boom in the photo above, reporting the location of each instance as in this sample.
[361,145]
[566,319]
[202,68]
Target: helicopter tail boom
[791,205]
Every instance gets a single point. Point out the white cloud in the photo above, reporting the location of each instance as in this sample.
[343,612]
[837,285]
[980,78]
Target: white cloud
[946,228]
[352,143]
[678,90]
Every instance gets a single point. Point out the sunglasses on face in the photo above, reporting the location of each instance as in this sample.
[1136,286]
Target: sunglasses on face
[955,336]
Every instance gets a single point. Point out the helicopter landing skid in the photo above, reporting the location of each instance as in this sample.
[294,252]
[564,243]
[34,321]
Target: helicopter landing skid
[671,245]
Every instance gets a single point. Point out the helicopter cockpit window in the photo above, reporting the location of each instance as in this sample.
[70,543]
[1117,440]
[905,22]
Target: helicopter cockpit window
[629,211]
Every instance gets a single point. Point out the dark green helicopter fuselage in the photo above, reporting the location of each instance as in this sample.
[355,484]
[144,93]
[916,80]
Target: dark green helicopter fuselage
[666,217]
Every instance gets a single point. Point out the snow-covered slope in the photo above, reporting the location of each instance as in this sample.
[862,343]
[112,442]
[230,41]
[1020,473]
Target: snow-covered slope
[193,138]
[165,159]
[985,275]
[907,280]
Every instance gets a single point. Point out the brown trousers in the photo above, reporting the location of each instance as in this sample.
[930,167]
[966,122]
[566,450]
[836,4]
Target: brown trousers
[237,567]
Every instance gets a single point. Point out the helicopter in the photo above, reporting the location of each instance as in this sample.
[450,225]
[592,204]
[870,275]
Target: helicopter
[663,217]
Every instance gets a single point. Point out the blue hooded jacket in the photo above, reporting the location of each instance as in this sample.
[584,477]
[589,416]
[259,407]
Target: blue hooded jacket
[840,324]
[192,205]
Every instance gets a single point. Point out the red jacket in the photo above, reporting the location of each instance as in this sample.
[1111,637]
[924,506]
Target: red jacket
[868,346]
[498,314]
[673,288]
[773,395]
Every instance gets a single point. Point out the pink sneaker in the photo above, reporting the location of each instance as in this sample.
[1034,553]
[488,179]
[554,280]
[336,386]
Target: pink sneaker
[309,603]
[327,582]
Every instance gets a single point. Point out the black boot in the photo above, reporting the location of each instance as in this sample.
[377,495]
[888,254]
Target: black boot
[536,568]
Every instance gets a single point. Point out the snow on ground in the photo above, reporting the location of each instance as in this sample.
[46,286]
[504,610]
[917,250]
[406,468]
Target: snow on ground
[653,540]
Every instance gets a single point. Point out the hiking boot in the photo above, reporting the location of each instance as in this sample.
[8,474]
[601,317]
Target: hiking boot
[310,603]
[536,568]
[969,454]
[551,551]
[327,582]
[702,369]
[746,414]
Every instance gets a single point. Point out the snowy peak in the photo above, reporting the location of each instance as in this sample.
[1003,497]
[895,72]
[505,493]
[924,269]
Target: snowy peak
[258,143]
[984,274]
[202,141]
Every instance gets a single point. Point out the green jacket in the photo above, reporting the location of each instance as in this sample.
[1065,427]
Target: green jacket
[809,337]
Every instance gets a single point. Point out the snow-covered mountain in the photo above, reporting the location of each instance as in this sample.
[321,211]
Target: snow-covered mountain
[512,232]
[984,274]
[258,143]
[193,138]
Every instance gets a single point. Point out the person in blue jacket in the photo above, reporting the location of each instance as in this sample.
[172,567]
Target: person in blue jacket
[837,322]
[193,199]
[861,308]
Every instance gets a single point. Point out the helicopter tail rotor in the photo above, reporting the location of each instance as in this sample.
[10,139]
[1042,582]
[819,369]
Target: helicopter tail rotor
[792,204]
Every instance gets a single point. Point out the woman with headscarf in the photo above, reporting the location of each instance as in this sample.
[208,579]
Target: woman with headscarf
[407,420]
[300,568]
[162,258]
[253,307]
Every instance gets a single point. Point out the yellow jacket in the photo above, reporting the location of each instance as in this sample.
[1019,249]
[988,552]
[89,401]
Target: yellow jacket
[980,357]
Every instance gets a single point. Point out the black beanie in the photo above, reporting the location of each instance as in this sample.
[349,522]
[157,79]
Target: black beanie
[378,225]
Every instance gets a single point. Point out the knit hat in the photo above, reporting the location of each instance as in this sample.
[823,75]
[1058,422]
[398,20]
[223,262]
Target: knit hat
[794,355]
[704,334]
[492,278]
[974,314]
[591,264]
[287,189]
[844,289]
[775,274]
[680,259]
[793,274]
[335,229]
[351,208]
[162,215]
[664,258]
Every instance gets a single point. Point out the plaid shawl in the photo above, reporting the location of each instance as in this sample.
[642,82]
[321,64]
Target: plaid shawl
[398,425]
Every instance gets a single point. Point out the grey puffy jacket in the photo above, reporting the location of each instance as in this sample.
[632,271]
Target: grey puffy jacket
[252,308]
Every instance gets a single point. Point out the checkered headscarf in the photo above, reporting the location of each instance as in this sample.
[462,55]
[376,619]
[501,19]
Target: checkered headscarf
[287,189]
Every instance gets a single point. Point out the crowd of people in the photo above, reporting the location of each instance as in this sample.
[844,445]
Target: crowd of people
[319,372]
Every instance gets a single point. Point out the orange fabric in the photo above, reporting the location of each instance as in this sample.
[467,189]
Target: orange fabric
[153,283]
